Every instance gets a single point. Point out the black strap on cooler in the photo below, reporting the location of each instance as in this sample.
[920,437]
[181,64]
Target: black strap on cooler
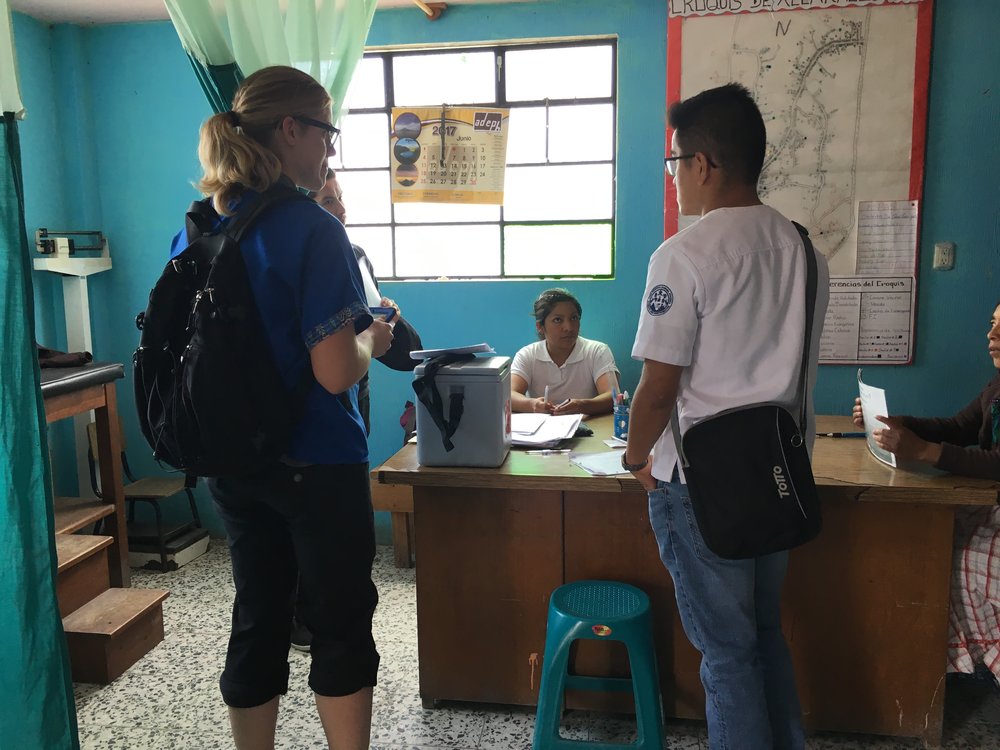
[429,395]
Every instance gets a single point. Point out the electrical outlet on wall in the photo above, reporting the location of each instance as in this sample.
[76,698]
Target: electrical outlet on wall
[944,256]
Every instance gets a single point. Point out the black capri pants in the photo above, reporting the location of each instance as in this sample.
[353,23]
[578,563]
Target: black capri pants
[312,526]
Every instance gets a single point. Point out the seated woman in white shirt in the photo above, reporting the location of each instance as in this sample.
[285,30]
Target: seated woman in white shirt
[563,373]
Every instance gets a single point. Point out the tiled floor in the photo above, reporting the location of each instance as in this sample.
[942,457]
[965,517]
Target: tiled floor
[170,698]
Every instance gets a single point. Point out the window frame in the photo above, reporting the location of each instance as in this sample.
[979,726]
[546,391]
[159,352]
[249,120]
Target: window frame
[499,51]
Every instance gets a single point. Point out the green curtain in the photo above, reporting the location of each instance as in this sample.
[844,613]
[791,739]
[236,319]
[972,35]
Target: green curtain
[324,38]
[38,709]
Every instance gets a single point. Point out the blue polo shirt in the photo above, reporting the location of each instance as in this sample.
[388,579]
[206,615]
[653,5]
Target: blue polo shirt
[307,285]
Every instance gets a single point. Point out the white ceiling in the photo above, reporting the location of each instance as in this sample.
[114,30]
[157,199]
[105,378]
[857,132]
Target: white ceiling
[120,11]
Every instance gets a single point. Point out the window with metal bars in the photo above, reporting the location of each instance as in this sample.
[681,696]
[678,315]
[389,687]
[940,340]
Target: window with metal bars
[558,215]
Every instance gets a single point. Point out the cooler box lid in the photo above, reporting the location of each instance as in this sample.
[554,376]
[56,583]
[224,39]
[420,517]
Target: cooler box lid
[478,367]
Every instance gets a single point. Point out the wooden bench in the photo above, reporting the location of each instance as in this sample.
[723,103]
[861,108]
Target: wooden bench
[397,499]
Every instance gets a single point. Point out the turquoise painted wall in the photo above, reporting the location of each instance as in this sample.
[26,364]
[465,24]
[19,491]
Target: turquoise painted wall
[123,155]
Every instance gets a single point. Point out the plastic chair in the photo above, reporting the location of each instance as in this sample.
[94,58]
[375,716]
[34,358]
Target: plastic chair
[599,610]
[152,490]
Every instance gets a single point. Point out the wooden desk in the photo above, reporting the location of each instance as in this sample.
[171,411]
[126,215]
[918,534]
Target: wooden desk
[68,391]
[865,608]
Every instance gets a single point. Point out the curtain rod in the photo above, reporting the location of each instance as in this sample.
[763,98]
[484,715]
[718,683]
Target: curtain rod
[433,10]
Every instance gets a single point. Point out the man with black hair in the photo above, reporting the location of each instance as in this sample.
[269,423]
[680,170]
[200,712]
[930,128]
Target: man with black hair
[722,325]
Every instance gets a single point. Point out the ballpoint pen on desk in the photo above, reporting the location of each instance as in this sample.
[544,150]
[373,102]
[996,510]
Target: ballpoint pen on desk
[841,434]
[547,452]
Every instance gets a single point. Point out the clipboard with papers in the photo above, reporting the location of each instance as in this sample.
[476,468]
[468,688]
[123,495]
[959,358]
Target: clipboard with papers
[542,430]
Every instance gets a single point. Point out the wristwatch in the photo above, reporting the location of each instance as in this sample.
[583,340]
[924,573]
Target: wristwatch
[634,467]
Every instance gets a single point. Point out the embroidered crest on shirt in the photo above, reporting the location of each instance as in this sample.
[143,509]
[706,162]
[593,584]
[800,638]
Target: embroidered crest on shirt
[659,300]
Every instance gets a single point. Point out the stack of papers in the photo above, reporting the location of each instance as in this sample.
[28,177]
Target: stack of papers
[542,430]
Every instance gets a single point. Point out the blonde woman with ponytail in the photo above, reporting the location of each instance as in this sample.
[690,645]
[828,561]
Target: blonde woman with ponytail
[309,517]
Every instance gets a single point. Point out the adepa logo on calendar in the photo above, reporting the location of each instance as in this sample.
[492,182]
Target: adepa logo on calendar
[491,122]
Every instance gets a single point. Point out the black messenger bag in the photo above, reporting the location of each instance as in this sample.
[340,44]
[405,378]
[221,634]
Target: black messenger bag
[748,471]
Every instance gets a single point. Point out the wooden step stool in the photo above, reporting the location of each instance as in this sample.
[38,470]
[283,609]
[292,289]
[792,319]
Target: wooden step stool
[107,630]
[112,632]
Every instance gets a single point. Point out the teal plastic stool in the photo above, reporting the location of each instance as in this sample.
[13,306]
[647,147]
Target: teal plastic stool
[599,610]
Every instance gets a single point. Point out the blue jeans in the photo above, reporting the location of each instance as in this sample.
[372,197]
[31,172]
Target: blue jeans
[731,612]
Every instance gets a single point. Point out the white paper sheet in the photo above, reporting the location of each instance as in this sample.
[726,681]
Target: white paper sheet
[873,404]
[887,238]
[608,463]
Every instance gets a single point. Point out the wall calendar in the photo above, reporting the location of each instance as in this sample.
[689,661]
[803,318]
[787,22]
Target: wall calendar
[448,154]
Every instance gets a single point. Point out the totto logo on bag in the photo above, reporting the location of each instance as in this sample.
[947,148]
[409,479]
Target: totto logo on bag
[210,399]
[779,481]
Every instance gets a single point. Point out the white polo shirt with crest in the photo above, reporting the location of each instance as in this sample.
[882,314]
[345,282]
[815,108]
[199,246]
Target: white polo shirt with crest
[577,378]
[725,299]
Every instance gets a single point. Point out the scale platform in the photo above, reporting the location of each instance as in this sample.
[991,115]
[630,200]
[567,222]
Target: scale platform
[183,544]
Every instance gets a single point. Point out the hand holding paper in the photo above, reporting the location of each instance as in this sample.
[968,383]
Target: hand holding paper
[904,443]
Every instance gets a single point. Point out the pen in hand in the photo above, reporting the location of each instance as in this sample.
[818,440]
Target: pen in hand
[841,434]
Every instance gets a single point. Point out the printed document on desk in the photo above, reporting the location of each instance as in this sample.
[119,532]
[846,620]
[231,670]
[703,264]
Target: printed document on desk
[471,349]
[873,404]
[551,432]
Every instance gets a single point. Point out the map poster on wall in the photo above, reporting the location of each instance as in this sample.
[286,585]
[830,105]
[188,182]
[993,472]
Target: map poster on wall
[448,154]
[720,7]
[842,87]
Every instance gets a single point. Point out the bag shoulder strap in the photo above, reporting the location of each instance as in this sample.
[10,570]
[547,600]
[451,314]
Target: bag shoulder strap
[811,283]
[426,390]
[201,219]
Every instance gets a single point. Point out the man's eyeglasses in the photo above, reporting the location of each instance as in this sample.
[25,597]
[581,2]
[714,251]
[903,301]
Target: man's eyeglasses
[670,162]
[332,133]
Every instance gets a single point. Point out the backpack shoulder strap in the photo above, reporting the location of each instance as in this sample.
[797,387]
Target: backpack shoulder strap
[255,206]
[201,219]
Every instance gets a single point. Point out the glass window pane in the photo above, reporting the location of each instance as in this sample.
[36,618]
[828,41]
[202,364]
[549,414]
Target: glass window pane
[377,244]
[558,192]
[558,73]
[558,250]
[582,132]
[425,213]
[367,88]
[526,135]
[452,251]
[366,196]
[364,142]
[453,78]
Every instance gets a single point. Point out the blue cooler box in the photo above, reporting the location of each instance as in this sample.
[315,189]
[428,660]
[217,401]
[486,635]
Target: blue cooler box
[483,434]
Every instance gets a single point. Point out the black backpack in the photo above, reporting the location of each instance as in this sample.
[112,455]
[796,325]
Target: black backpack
[211,401]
